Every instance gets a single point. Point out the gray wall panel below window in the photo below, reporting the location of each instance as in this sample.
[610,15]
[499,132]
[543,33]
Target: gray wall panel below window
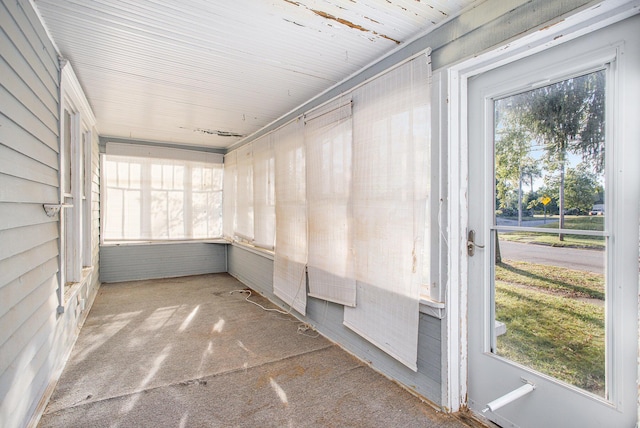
[148,261]
[256,272]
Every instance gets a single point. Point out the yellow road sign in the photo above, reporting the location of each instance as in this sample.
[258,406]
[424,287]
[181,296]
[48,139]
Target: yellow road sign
[545,200]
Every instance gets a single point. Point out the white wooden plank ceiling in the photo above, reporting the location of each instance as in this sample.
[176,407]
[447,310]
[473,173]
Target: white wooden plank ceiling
[206,73]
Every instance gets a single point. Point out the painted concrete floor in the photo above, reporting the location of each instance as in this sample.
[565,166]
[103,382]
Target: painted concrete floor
[192,352]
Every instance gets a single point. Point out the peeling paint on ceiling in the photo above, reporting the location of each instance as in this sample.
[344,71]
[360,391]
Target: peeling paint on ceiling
[183,72]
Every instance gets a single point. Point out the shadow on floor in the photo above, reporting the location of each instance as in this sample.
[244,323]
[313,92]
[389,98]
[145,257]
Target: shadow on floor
[190,352]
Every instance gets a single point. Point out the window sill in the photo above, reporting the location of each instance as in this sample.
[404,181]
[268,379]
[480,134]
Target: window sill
[164,242]
[432,308]
[253,249]
[72,289]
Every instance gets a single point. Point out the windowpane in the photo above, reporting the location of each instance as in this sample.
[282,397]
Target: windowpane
[110,174]
[549,145]
[123,175]
[67,152]
[263,190]
[165,199]
[550,310]
[549,288]
[131,213]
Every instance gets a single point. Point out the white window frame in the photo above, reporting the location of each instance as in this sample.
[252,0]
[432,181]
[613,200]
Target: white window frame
[75,214]
[162,154]
[87,238]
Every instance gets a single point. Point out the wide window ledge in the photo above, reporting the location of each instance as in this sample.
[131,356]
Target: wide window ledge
[432,308]
[164,242]
[71,289]
[269,254]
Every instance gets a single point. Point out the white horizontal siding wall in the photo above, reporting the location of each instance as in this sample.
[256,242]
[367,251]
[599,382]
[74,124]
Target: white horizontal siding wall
[34,340]
[28,238]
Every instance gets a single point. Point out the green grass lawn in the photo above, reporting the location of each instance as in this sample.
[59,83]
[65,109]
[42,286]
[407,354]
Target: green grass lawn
[561,281]
[548,328]
[571,222]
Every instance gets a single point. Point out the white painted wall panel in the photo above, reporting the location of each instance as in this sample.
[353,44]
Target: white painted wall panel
[20,312]
[32,377]
[15,164]
[13,292]
[17,215]
[22,357]
[23,335]
[45,69]
[20,140]
[13,60]
[24,118]
[24,238]
[22,263]
[34,338]
[13,189]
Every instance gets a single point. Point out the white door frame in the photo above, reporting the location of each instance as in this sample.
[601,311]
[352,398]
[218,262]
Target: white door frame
[455,80]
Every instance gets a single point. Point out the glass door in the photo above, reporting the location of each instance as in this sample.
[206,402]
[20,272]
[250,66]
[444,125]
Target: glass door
[547,295]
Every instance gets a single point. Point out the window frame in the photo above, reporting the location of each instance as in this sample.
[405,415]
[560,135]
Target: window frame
[158,155]
[75,234]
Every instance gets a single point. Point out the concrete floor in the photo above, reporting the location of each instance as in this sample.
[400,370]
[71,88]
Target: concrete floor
[190,352]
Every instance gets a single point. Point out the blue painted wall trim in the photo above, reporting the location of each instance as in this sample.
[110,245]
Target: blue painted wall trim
[166,260]
[256,272]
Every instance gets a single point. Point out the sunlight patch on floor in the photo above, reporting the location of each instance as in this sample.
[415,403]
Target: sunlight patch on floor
[188,319]
[279,391]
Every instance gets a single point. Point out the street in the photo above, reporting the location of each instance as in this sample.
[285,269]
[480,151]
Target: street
[572,258]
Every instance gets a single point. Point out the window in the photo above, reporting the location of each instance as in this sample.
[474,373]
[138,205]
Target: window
[328,144]
[244,197]
[351,197]
[85,180]
[264,198]
[72,171]
[76,247]
[153,193]
[291,216]
[229,195]
[249,194]
[389,198]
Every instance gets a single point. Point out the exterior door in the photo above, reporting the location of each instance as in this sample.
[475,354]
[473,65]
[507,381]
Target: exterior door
[553,235]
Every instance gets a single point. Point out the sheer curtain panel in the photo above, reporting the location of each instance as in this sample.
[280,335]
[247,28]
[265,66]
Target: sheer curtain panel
[328,152]
[389,191]
[229,194]
[264,198]
[289,272]
[244,193]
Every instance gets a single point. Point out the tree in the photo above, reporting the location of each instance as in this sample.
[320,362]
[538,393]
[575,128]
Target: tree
[513,163]
[565,117]
[580,188]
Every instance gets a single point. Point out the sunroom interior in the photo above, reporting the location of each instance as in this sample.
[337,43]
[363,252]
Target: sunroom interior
[314,150]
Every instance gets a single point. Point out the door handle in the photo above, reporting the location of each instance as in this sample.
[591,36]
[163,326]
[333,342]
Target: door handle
[471,243]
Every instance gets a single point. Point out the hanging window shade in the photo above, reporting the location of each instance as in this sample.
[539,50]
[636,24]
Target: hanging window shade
[264,198]
[229,194]
[289,279]
[328,153]
[158,193]
[389,191]
[244,193]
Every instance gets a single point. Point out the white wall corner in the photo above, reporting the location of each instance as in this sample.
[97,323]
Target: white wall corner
[74,93]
